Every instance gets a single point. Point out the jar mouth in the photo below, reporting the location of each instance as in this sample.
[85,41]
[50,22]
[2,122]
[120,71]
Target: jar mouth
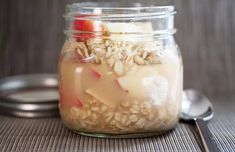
[161,18]
[108,11]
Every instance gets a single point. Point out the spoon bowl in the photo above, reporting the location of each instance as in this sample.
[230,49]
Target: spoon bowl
[195,105]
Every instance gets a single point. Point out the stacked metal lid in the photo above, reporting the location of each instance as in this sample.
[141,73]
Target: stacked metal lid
[29,95]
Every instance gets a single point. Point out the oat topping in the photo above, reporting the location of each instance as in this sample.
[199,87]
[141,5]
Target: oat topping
[120,55]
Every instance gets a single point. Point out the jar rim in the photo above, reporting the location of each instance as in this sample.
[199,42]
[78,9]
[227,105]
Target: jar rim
[117,11]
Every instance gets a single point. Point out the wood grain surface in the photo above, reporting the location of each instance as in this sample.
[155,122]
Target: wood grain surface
[31,37]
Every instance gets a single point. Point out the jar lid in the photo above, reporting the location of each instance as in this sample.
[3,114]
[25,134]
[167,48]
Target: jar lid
[33,95]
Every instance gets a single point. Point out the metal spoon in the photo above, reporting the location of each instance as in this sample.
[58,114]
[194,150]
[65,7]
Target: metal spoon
[197,107]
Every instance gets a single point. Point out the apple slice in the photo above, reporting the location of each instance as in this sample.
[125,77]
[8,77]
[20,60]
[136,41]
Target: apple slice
[78,103]
[132,82]
[146,84]
[69,101]
[100,96]
[121,31]
[119,86]
[86,26]
[145,26]
[95,74]
[118,27]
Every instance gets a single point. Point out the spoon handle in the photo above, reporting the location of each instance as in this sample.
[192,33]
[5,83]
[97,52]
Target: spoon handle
[206,136]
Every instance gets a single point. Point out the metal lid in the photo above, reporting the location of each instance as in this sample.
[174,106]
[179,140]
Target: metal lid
[33,95]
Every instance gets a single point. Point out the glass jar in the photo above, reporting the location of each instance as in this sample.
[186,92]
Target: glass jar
[120,70]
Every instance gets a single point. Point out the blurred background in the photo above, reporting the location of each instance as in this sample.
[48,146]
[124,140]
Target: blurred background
[31,36]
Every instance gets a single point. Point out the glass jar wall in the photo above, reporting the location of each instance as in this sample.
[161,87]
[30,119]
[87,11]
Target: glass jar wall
[120,70]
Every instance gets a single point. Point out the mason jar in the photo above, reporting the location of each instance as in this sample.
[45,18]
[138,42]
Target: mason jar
[120,70]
